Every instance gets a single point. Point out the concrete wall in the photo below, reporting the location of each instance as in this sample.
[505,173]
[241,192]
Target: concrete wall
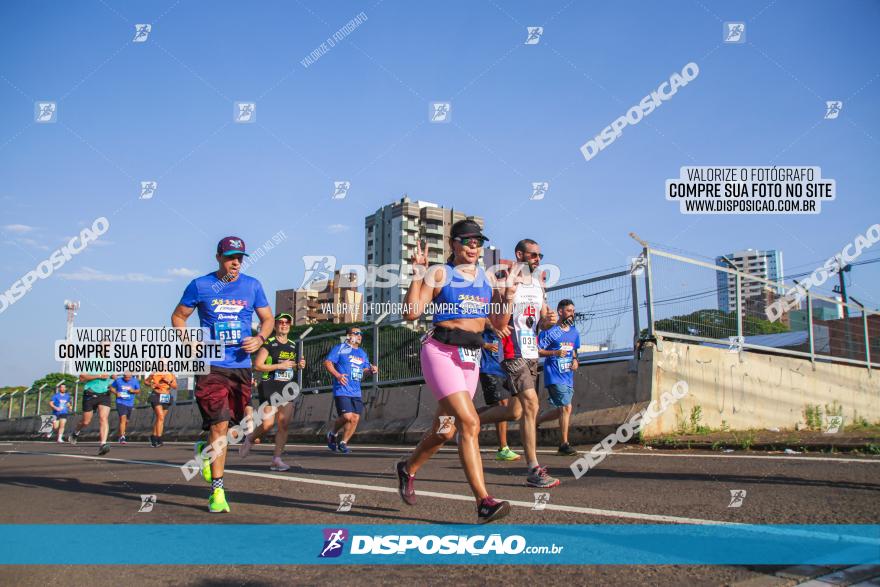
[762,391]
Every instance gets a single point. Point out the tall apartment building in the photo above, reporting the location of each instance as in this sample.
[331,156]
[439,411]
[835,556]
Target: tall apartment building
[323,301]
[392,233]
[754,294]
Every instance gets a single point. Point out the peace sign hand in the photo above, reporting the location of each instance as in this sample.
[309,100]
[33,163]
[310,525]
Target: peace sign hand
[421,257]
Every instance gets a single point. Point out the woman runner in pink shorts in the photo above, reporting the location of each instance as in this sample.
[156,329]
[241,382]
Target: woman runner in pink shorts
[450,357]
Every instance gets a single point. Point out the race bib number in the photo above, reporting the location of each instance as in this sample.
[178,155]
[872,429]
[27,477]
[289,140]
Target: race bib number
[528,345]
[469,355]
[356,373]
[123,395]
[164,398]
[228,332]
[285,375]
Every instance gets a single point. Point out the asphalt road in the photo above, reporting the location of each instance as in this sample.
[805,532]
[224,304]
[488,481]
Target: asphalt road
[61,483]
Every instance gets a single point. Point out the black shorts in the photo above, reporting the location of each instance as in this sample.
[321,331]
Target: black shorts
[61,416]
[155,400]
[124,410]
[91,401]
[492,386]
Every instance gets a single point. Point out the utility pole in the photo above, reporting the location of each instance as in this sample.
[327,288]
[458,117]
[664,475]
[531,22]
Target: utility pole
[71,308]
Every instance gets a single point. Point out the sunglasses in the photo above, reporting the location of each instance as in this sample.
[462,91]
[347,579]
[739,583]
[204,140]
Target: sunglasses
[356,333]
[532,255]
[467,240]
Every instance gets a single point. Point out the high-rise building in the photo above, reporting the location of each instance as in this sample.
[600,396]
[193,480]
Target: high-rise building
[755,295]
[323,301]
[392,233]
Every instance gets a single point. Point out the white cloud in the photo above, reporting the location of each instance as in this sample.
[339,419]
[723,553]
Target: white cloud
[17,228]
[90,274]
[182,272]
[337,228]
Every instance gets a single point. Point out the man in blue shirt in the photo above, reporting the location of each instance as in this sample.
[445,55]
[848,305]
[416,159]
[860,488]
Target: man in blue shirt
[61,405]
[492,380]
[347,363]
[226,300]
[559,346]
[124,388]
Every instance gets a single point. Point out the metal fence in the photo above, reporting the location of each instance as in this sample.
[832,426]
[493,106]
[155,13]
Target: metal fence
[696,301]
[663,295]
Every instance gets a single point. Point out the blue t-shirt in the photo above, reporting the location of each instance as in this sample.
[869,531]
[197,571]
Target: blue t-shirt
[557,370]
[462,297]
[61,399]
[226,310]
[351,362]
[489,362]
[124,395]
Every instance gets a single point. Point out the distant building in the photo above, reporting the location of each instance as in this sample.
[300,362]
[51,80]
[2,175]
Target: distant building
[822,310]
[755,295]
[324,301]
[391,234]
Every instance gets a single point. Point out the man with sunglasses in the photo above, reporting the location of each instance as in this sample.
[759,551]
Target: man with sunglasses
[522,299]
[347,363]
[278,362]
[226,300]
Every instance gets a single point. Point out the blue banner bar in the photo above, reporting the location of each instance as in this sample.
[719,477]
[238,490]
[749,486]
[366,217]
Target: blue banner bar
[636,544]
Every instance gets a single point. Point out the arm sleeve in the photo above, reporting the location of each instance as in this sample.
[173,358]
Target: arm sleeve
[367,364]
[190,297]
[333,355]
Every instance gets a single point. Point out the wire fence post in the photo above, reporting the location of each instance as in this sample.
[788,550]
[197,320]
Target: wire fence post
[867,341]
[75,397]
[649,292]
[375,353]
[39,401]
[635,307]
[9,407]
[23,402]
[739,309]
[810,338]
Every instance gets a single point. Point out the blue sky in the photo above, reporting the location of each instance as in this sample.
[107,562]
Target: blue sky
[162,110]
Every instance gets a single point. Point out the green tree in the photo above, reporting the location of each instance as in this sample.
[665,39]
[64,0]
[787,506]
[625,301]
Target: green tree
[716,324]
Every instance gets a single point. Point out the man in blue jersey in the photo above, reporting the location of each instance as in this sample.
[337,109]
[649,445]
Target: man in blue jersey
[559,346]
[347,363]
[124,388]
[493,380]
[61,406]
[226,300]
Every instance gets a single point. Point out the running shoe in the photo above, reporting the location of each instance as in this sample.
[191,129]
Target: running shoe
[59,441]
[206,462]
[331,441]
[72,438]
[122,440]
[566,450]
[505,454]
[244,449]
[217,502]
[538,477]
[278,465]
[105,448]
[491,510]
[343,448]
[405,484]
[153,441]
[159,441]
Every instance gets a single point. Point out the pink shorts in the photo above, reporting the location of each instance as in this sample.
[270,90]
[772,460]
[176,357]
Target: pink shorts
[445,372]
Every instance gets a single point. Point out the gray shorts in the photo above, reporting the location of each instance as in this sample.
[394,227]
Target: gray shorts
[522,374]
